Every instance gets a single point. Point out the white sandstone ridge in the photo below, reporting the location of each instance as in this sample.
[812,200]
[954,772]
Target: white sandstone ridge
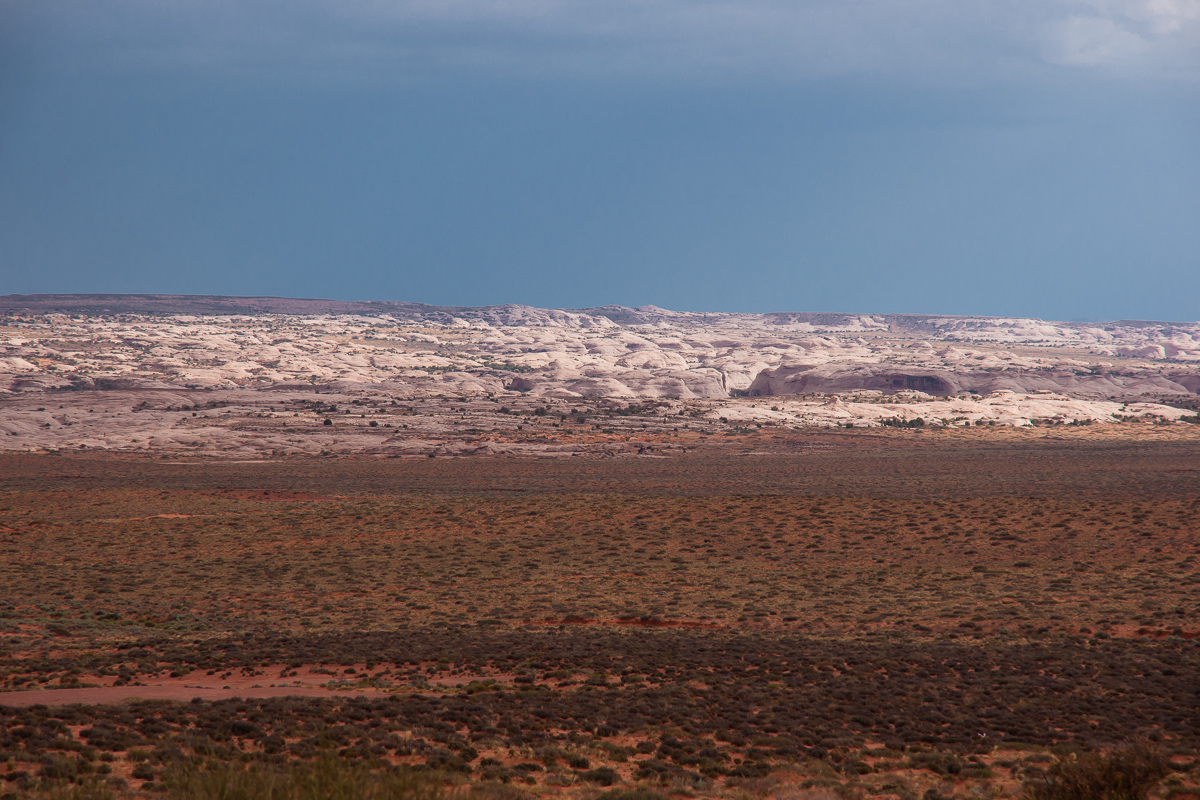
[871,409]
[125,342]
[251,423]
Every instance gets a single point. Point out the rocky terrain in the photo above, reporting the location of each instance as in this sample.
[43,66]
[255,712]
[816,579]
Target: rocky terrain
[282,375]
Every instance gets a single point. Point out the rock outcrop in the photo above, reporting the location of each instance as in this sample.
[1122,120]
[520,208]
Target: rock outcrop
[835,379]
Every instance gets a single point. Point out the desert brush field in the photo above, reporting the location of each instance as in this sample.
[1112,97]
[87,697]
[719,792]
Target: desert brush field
[893,613]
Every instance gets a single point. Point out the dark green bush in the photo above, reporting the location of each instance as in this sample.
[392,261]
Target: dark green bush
[900,422]
[604,776]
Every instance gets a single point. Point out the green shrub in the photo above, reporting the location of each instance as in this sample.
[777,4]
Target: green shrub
[900,422]
[1124,774]
[605,776]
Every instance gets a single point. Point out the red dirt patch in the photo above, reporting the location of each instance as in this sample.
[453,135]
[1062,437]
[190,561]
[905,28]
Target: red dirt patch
[267,681]
[276,680]
[1159,633]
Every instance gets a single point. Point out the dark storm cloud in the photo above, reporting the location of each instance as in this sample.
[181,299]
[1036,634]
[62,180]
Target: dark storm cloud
[950,156]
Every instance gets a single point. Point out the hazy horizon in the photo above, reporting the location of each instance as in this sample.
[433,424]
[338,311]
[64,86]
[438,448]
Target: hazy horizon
[643,307]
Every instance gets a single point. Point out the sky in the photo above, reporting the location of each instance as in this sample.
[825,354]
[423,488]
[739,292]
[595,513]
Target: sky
[1016,158]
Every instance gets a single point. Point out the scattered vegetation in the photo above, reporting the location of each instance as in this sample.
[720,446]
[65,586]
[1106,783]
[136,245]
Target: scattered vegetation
[877,618]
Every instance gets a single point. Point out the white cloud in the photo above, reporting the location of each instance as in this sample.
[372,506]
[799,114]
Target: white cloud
[941,39]
[1093,41]
[1142,35]
[1154,18]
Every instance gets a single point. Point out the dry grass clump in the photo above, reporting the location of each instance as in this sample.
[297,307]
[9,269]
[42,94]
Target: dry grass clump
[629,794]
[326,778]
[1128,773]
[88,790]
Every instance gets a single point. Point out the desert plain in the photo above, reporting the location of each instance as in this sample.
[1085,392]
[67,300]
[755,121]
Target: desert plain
[623,553]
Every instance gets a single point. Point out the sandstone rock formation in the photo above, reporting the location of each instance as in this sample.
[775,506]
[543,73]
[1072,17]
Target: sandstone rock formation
[181,353]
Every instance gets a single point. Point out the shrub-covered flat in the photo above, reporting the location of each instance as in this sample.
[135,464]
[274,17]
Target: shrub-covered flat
[891,614]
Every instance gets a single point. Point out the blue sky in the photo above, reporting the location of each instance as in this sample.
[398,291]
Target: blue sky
[927,156]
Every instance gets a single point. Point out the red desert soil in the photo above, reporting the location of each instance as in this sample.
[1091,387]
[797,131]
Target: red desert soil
[308,683]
